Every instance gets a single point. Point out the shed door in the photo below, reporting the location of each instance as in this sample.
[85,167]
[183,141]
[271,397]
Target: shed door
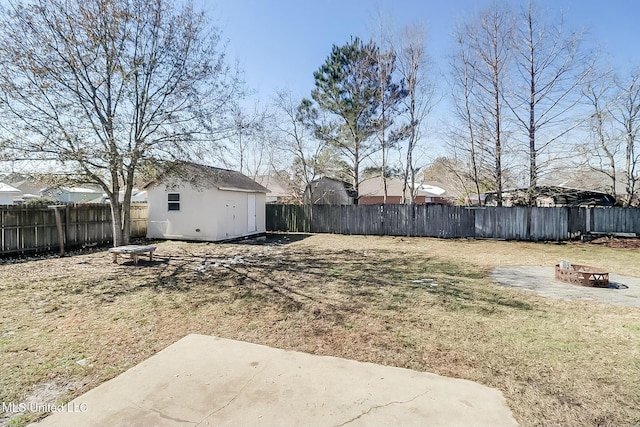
[232,220]
[251,213]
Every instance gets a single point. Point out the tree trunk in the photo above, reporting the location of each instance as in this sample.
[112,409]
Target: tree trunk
[533,166]
[116,216]
[473,151]
[356,174]
[495,69]
[126,223]
[384,176]
[412,144]
[382,131]
[412,190]
[126,215]
[628,168]
[407,175]
[498,148]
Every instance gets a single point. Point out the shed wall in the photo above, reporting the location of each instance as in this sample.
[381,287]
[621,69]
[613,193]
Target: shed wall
[205,214]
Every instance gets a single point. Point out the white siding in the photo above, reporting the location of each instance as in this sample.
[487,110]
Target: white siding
[205,214]
[8,194]
[7,198]
[261,213]
[251,213]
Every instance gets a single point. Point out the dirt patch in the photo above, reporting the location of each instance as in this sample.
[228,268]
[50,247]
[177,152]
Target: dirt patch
[415,303]
[616,242]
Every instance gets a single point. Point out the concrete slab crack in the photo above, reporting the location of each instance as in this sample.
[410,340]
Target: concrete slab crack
[373,408]
[230,401]
[167,417]
[163,415]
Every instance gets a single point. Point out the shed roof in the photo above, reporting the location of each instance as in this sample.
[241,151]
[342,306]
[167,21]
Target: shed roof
[334,182]
[208,177]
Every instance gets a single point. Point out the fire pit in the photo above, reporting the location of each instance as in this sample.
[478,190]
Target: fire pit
[582,275]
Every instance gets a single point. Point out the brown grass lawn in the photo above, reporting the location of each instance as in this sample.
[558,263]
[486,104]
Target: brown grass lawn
[557,363]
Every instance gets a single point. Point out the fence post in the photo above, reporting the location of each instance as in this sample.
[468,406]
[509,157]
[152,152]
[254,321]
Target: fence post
[56,210]
[67,215]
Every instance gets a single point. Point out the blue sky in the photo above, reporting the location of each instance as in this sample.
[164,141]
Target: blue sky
[280,43]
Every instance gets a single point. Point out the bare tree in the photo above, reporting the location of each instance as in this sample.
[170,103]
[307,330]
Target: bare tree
[551,69]
[101,86]
[465,140]
[391,93]
[627,115]
[413,69]
[485,53]
[298,156]
[603,151]
[245,148]
[386,62]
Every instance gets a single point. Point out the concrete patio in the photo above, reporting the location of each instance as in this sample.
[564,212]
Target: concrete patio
[622,290]
[204,380]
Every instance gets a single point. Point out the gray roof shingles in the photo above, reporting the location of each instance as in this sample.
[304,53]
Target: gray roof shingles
[209,176]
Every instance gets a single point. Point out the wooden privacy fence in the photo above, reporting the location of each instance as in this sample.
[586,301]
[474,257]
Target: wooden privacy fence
[509,223]
[30,229]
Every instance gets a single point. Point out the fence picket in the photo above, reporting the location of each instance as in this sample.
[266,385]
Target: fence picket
[509,223]
[29,229]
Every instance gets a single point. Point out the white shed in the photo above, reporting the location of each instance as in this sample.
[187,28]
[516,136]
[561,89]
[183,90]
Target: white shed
[196,202]
[8,194]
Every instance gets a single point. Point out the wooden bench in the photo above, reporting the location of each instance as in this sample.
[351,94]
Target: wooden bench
[134,252]
[583,275]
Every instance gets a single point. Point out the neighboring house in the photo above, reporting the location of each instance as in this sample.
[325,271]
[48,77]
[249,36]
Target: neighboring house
[329,191]
[279,191]
[372,192]
[438,193]
[137,196]
[30,188]
[582,178]
[9,194]
[475,199]
[196,202]
[71,194]
[551,196]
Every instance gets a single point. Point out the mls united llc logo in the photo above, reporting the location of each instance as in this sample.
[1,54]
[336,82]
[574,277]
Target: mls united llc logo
[35,407]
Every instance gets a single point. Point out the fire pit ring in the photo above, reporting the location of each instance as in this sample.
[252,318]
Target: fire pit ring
[583,275]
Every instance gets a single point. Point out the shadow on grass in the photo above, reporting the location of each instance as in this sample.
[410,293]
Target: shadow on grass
[271,239]
[362,277]
[340,280]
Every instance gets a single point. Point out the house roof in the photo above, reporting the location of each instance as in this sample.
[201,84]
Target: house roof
[573,196]
[337,183]
[137,196]
[82,190]
[207,176]
[374,187]
[7,189]
[29,185]
[551,190]
[584,178]
[274,184]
